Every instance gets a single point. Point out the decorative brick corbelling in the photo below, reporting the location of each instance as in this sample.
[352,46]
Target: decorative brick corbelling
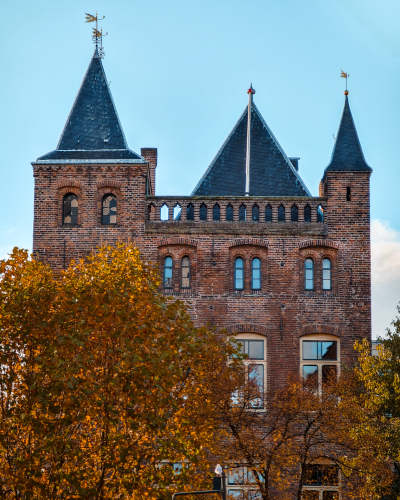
[248,241]
[319,243]
[319,328]
[68,183]
[107,184]
[178,241]
[248,328]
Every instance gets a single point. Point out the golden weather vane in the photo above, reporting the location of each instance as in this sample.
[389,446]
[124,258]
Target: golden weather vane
[345,75]
[97,36]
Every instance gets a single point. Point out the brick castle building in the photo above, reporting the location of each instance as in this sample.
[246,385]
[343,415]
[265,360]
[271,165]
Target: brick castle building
[250,250]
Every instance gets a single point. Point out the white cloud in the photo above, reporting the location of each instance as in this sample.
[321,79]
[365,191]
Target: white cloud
[385,249]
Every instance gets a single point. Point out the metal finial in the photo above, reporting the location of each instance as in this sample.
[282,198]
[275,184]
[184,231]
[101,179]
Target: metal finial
[97,36]
[345,75]
[251,90]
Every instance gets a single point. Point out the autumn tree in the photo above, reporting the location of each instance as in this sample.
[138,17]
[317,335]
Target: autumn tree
[101,381]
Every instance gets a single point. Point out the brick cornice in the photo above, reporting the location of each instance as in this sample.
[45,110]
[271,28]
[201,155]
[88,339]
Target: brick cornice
[248,328]
[316,328]
[178,241]
[319,243]
[248,241]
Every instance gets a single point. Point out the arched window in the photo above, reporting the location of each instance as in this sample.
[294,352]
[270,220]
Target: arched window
[255,214]
[320,214]
[216,212]
[294,214]
[239,273]
[309,274]
[190,212]
[229,213]
[185,272]
[256,274]
[168,272]
[109,209]
[242,213]
[307,213]
[281,213]
[203,212]
[268,213]
[326,274]
[70,209]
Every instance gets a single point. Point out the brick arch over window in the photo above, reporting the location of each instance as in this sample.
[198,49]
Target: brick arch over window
[248,241]
[68,184]
[320,328]
[319,243]
[178,241]
[109,184]
[248,328]
[68,189]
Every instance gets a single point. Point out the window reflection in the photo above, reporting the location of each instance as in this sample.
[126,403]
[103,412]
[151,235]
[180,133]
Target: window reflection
[320,350]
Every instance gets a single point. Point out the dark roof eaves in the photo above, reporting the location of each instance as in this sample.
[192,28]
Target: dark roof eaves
[289,163]
[218,153]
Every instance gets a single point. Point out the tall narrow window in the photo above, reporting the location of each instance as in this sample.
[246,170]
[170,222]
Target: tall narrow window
[281,213]
[255,214]
[256,274]
[216,212]
[348,193]
[294,214]
[168,272]
[307,213]
[229,213]
[320,214]
[309,274]
[326,274]
[109,209]
[242,213]
[70,209]
[239,273]
[268,213]
[203,212]
[185,272]
[190,212]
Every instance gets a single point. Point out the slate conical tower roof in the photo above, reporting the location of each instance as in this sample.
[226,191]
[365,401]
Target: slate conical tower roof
[271,171]
[347,153]
[93,131]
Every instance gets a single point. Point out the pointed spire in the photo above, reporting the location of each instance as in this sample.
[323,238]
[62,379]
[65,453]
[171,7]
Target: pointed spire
[347,153]
[251,92]
[92,130]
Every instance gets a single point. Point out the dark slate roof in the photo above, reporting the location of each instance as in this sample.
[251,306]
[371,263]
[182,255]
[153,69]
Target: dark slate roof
[347,153]
[93,130]
[271,172]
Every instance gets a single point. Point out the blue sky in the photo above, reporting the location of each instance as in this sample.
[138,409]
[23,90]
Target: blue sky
[179,72]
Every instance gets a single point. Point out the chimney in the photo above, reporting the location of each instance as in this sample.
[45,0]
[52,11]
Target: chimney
[150,155]
[295,162]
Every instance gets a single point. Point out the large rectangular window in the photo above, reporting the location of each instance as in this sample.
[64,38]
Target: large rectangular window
[321,482]
[320,362]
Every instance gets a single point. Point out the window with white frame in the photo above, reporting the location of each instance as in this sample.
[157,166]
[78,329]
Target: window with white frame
[242,484]
[320,360]
[322,482]
[255,346]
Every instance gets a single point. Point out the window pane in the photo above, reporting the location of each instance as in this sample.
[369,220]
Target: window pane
[256,374]
[329,374]
[185,272]
[190,212]
[310,349]
[329,475]
[239,273]
[229,212]
[242,213]
[310,376]
[235,494]
[268,214]
[109,209]
[216,212]
[311,475]
[255,214]
[310,495]
[168,272]
[309,274]
[329,350]
[203,212]
[236,476]
[330,495]
[307,213]
[255,349]
[281,213]
[294,214]
[256,274]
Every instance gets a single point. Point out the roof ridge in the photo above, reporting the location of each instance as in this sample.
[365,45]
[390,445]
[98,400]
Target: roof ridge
[289,163]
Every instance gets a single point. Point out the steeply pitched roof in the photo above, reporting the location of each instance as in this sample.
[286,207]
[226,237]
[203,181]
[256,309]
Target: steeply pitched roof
[271,172]
[347,153]
[93,130]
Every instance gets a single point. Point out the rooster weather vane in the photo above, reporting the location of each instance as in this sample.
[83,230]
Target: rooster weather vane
[97,36]
[345,75]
